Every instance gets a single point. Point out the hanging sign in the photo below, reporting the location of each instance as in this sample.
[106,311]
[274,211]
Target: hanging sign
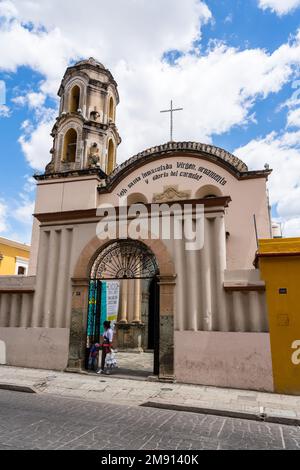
[112,301]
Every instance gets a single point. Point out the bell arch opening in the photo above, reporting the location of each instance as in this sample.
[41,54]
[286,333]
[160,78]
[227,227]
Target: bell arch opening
[111,157]
[70,146]
[111,109]
[74,99]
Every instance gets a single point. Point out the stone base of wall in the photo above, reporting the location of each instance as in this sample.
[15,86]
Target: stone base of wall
[232,360]
[39,348]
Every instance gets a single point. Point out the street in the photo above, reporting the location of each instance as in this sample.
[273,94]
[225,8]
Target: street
[51,422]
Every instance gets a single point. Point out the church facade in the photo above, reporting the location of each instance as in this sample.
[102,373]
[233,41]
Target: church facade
[209,321]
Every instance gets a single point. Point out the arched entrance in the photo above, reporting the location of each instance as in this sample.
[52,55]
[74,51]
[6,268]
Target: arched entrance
[166,281]
[124,290]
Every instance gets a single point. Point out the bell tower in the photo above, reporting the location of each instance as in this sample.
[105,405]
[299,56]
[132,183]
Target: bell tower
[85,134]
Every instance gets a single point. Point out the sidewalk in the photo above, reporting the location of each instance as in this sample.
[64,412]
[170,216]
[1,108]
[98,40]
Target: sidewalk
[269,407]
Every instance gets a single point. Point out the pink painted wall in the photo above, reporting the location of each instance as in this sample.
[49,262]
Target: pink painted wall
[233,360]
[39,348]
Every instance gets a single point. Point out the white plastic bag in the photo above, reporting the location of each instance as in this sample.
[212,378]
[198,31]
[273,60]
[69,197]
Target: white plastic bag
[111,361]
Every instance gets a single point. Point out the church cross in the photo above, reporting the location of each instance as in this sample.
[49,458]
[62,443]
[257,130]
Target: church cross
[171,111]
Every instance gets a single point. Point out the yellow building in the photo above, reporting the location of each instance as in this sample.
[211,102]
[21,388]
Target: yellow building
[279,262]
[14,258]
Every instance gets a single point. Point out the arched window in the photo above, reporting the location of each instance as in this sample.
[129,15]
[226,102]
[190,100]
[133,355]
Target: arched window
[74,102]
[111,157]
[136,198]
[70,146]
[208,191]
[111,109]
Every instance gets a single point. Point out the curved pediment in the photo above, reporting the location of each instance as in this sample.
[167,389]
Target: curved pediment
[207,152]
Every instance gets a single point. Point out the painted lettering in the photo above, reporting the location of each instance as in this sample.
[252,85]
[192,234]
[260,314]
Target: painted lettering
[296,354]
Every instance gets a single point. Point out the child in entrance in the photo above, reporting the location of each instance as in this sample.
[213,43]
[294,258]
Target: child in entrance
[106,346]
[93,357]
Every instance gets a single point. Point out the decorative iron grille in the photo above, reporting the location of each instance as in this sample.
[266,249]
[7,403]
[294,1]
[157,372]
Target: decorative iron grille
[128,259]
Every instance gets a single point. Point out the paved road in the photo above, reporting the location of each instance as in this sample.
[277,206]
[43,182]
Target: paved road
[51,422]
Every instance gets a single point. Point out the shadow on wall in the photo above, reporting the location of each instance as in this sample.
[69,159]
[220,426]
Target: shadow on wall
[2,353]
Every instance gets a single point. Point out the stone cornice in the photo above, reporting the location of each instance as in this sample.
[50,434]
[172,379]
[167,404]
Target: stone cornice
[17,284]
[15,244]
[72,173]
[86,124]
[208,152]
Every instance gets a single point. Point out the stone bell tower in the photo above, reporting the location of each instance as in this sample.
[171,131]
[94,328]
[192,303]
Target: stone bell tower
[85,135]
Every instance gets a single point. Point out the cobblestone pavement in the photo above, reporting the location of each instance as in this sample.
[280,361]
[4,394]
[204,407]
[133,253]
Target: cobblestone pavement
[51,422]
[129,391]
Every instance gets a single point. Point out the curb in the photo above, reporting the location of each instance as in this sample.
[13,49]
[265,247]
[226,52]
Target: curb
[224,412]
[17,388]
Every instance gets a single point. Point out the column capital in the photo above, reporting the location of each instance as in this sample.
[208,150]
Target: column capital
[80,282]
[167,280]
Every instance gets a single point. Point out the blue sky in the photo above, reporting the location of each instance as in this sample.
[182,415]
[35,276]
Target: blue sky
[240,58]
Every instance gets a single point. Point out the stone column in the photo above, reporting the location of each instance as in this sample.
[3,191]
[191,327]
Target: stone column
[124,303]
[63,279]
[166,341]
[52,270]
[41,279]
[205,274]
[137,301]
[14,311]
[221,320]
[80,294]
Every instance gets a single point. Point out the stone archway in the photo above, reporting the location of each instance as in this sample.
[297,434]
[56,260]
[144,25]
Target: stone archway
[80,286]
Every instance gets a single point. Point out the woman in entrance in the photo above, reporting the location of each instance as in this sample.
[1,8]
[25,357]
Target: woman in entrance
[106,346]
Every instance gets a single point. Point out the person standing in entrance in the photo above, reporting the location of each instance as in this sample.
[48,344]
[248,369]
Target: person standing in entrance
[107,344]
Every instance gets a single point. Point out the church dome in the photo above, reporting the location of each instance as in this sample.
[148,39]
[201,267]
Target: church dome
[90,61]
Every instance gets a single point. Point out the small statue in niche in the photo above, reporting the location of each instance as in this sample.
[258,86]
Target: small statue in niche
[94,114]
[94,156]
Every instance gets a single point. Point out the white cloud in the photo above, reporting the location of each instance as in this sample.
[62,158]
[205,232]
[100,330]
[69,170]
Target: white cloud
[123,29]
[7,9]
[293,118]
[36,143]
[29,185]
[4,111]
[281,7]
[3,217]
[291,228]
[23,213]
[33,100]
[282,152]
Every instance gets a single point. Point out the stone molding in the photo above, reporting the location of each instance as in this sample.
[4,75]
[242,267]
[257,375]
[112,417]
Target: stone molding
[171,193]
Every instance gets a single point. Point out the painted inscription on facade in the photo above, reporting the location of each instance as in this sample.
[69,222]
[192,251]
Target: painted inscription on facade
[181,169]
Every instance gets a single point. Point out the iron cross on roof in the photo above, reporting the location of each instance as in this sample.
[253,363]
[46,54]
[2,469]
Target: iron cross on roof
[171,111]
